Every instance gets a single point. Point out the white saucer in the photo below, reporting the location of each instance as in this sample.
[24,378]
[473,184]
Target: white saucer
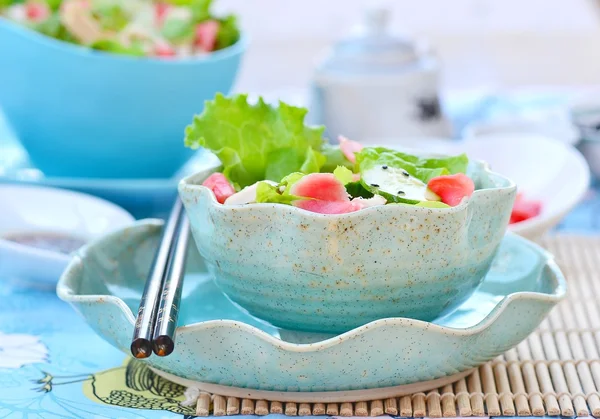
[29,210]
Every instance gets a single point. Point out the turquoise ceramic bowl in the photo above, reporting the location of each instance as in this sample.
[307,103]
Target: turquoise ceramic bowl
[330,273]
[218,347]
[83,113]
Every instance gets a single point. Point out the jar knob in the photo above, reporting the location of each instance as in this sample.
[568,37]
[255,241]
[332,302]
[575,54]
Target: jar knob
[376,19]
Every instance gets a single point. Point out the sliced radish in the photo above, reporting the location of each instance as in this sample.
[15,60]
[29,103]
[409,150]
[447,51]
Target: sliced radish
[524,209]
[322,186]
[349,148]
[164,50]
[328,207]
[374,201]
[160,12]
[452,188]
[206,35]
[218,183]
[328,193]
[37,12]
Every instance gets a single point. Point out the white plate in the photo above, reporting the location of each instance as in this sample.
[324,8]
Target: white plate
[555,124]
[29,209]
[543,168]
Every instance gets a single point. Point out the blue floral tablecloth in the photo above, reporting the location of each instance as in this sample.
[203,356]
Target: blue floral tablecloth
[53,366]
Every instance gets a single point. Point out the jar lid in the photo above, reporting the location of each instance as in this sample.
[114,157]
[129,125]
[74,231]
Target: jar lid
[374,49]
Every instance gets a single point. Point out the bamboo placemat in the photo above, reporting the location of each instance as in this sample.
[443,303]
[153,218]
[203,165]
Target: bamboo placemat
[556,371]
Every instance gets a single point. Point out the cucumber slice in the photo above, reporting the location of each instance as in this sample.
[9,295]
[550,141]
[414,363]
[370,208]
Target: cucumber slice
[432,204]
[398,184]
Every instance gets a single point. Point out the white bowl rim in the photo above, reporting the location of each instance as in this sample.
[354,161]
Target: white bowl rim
[187,183]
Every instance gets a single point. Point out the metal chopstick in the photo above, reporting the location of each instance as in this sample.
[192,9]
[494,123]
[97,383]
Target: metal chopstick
[141,345]
[168,312]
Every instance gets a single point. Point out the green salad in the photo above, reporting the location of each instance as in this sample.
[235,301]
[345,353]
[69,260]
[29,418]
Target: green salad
[269,155]
[165,28]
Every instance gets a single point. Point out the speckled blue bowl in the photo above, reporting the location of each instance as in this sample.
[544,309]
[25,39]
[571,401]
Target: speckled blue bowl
[304,271]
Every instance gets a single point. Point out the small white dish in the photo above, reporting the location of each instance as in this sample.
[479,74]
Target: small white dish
[49,215]
[544,169]
[556,124]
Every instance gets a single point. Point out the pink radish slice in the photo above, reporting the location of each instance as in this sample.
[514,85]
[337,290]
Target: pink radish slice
[160,12]
[220,186]
[164,50]
[524,209]
[322,186]
[328,207]
[206,35]
[349,148]
[369,202]
[328,193]
[452,188]
[37,12]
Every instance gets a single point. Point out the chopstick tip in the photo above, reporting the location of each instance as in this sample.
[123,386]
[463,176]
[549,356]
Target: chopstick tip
[141,348]
[163,345]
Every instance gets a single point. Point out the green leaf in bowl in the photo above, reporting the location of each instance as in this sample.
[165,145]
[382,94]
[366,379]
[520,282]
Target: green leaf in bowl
[256,142]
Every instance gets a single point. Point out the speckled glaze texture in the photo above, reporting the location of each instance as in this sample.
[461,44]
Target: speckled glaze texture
[217,343]
[330,273]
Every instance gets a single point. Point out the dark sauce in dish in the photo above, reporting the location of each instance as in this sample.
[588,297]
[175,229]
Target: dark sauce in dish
[56,242]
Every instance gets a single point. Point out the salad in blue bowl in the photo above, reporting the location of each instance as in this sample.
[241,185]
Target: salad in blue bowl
[103,88]
[165,28]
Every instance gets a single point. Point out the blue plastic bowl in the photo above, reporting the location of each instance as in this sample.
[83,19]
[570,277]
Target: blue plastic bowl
[84,113]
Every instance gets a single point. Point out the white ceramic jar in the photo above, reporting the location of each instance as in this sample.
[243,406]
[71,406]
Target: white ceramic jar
[375,85]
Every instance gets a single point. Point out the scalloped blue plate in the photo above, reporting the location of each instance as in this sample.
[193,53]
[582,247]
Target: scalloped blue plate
[222,349]
[142,198]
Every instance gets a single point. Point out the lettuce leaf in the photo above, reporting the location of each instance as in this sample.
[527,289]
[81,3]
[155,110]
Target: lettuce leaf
[178,30]
[111,15]
[267,193]
[422,168]
[334,158]
[289,181]
[343,174]
[256,142]
[52,27]
[228,32]
[54,4]
[109,45]
[357,189]
[454,164]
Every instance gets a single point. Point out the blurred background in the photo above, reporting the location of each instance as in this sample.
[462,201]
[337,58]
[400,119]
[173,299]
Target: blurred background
[482,43]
